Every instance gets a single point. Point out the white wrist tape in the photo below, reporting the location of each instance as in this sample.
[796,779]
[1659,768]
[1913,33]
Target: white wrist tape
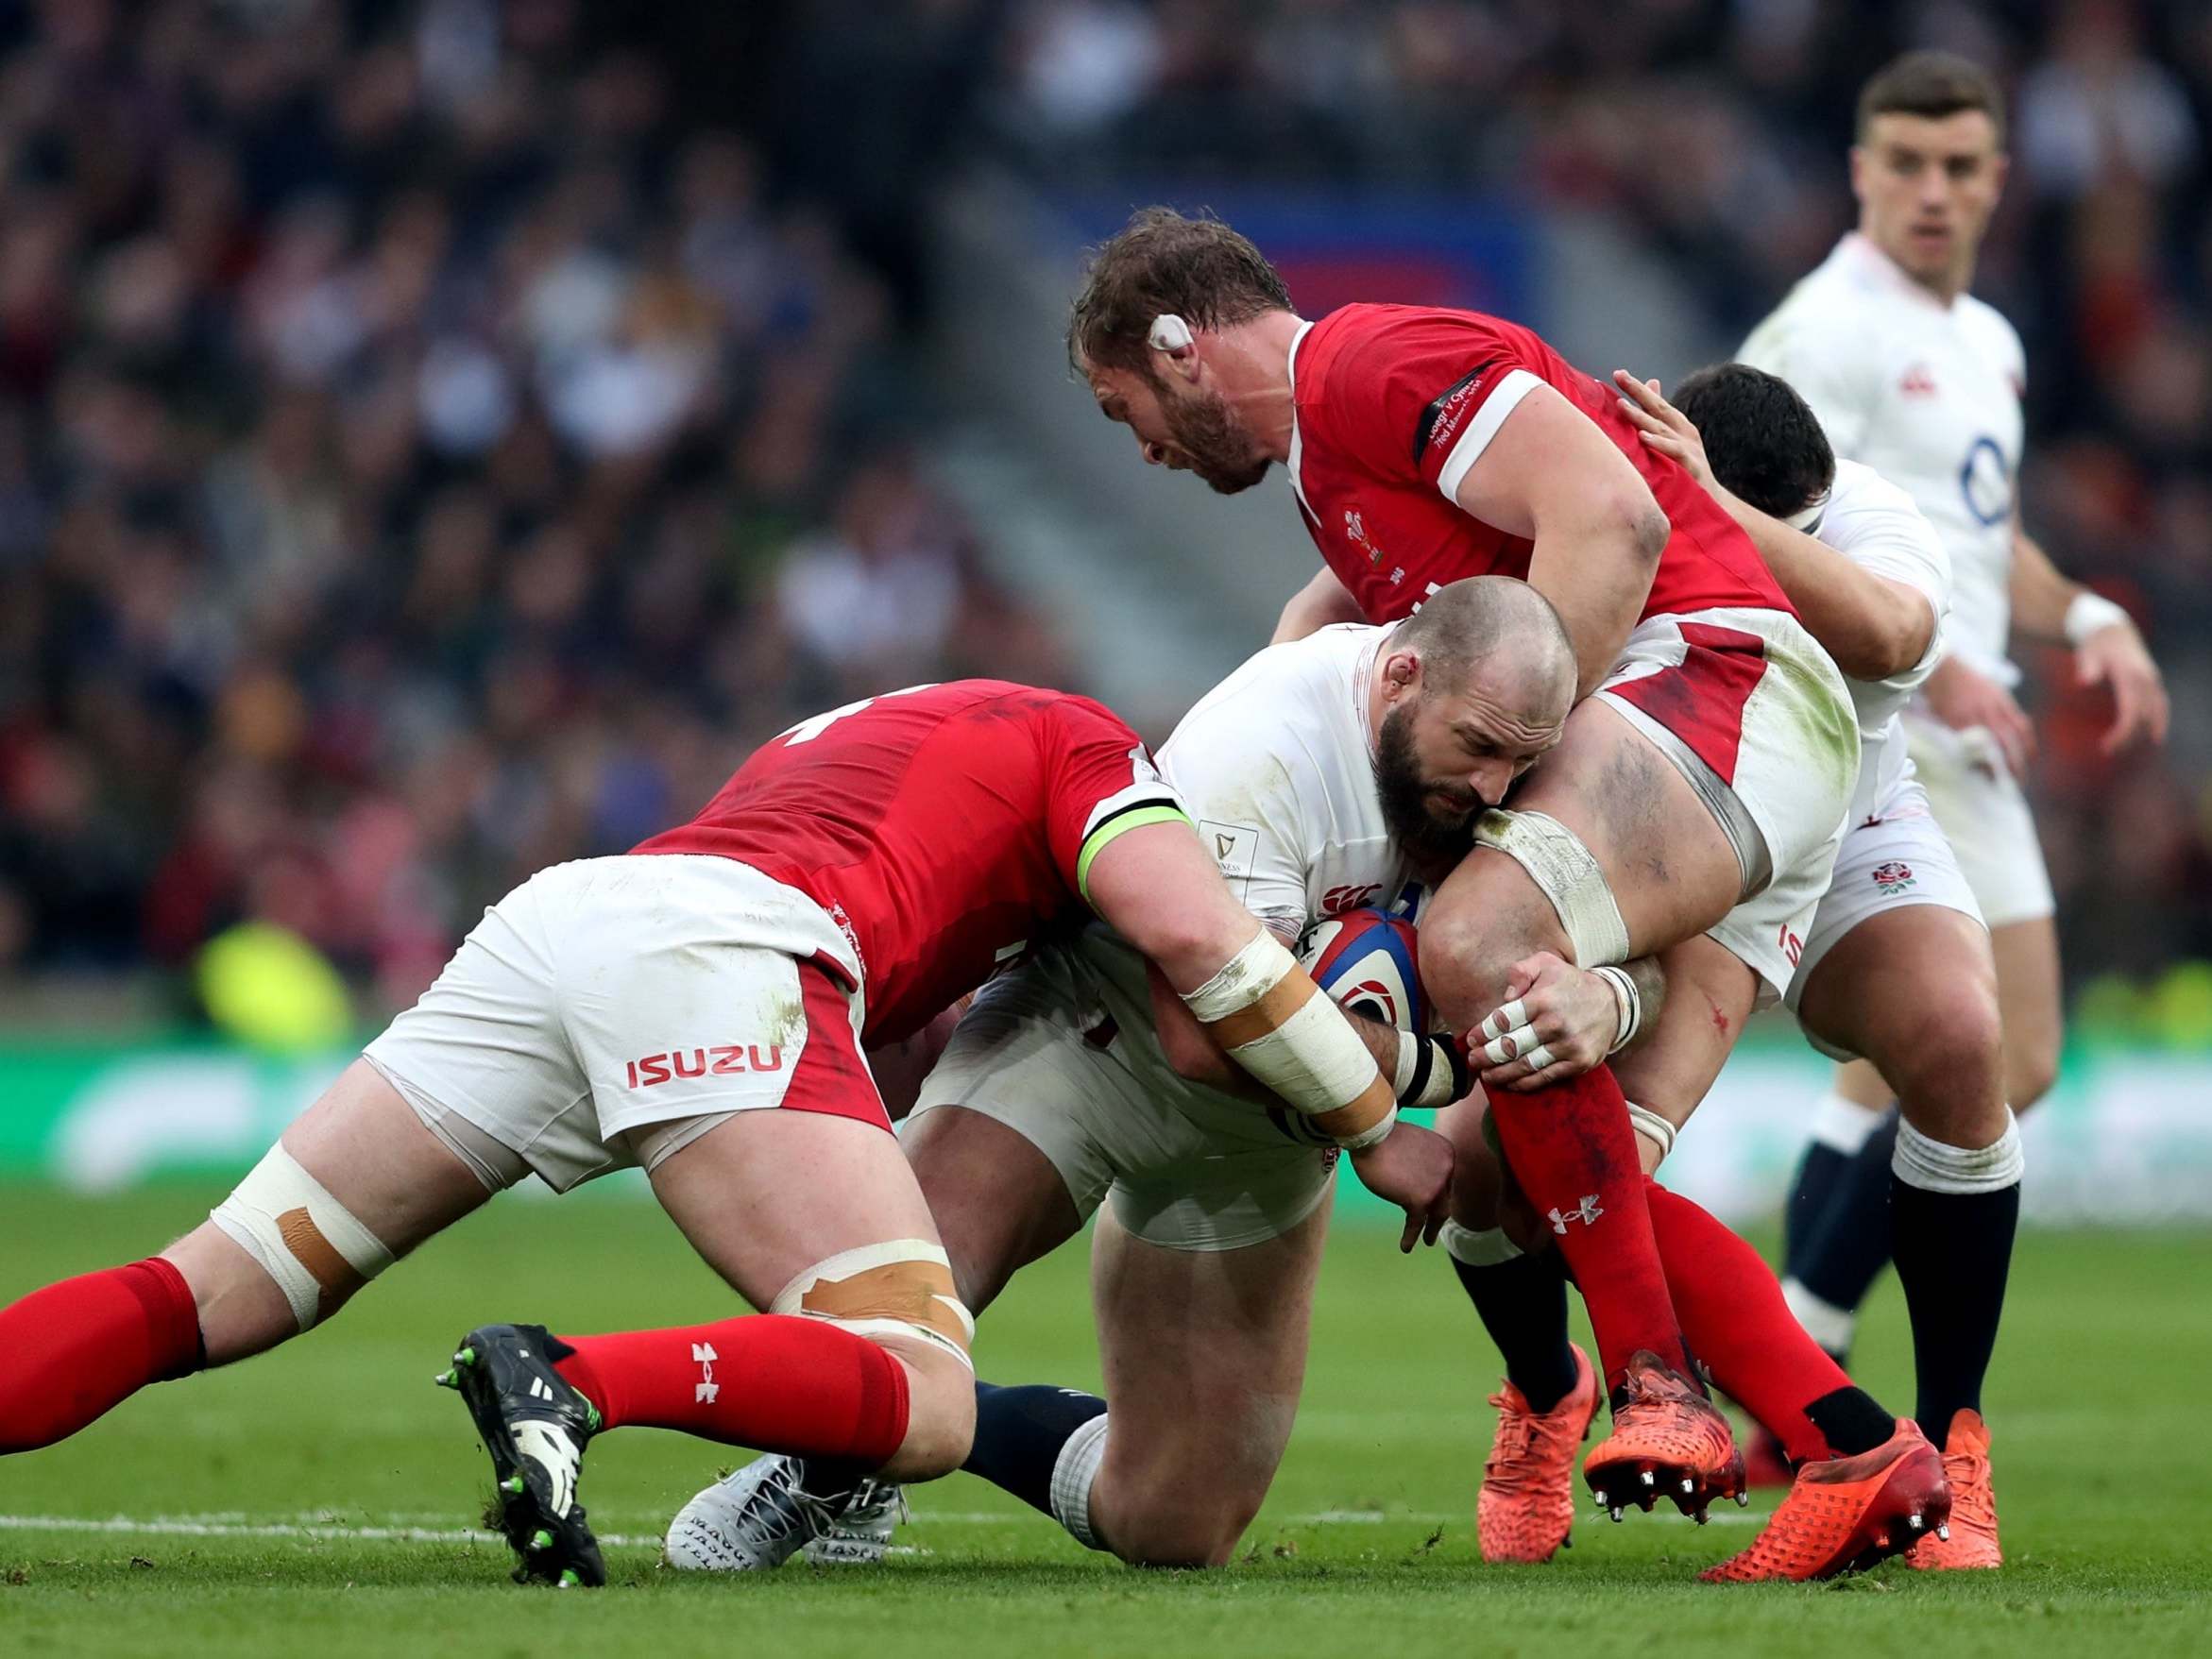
[1653,1128]
[303,1238]
[1630,1003]
[1274,1021]
[1570,876]
[2090,613]
[1426,1075]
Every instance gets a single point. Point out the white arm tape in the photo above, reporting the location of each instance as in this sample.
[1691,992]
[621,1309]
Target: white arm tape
[1313,1059]
[2091,612]
[1653,1128]
[1568,874]
[303,1238]
[1243,980]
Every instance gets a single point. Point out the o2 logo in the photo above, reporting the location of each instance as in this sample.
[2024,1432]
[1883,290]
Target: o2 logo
[1986,483]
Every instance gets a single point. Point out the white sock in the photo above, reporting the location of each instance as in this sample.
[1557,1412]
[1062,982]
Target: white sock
[1844,1123]
[1824,1322]
[1073,1473]
[1489,1247]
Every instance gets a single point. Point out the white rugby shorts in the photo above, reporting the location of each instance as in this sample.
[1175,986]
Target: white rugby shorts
[1896,858]
[608,1011]
[1985,812]
[1053,1049]
[1753,712]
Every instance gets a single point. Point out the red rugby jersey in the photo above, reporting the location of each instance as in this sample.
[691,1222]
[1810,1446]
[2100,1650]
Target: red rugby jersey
[1393,403]
[942,827]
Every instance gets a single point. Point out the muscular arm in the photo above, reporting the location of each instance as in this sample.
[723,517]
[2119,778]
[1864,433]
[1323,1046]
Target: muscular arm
[1872,626]
[1551,474]
[1314,606]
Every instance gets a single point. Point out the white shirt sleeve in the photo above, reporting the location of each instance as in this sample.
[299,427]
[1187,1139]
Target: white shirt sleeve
[1876,526]
[1832,364]
[1241,792]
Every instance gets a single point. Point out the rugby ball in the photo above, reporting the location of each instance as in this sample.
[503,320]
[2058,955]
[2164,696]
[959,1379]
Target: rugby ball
[1370,961]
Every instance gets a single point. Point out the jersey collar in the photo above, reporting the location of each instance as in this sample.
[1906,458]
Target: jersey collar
[1297,461]
[1859,251]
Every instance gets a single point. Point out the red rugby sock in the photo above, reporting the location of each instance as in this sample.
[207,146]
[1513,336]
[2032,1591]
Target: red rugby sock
[774,1381]
[1741,1330]
[1575,1158]
[71,1353]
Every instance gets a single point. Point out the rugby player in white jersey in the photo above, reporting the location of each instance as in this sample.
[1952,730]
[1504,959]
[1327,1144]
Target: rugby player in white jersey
[1912,375]
[1332,773]
[1897,966]
[1328,774]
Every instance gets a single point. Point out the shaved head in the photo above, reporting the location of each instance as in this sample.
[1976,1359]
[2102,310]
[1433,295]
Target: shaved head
[1499,633]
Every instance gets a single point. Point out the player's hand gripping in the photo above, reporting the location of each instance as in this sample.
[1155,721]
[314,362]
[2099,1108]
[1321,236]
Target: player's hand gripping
[1964,700]
[1557,1021]
[2116,657]
[1411,1167]
[1663,427]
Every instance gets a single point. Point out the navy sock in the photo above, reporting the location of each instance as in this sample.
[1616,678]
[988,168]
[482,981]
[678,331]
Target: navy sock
[1019,1432]
[1954,1253]
[1523,1304]
[1820,1174]
[1851,1245]
[1851,1421]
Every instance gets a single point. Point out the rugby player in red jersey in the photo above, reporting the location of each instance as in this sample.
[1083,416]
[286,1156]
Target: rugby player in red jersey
[1692,810]
[857,874]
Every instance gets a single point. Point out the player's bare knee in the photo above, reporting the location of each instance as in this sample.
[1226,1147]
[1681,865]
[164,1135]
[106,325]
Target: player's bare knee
[1948,1068]
[941,1417]
[1166,1525]
[900,1295]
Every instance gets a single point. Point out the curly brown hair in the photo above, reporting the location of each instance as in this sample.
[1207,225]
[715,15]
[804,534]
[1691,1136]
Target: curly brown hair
[1163,261]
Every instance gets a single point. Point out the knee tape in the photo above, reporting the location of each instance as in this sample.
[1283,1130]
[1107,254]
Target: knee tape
[1568,874]
[1653,1128]
[900,1288]
[303,1238]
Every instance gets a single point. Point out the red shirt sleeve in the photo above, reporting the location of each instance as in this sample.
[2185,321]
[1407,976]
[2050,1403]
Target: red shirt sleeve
[1100,780]
[1424,392]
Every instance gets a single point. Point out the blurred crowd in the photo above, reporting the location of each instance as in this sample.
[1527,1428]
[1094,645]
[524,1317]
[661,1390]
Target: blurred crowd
[1714,131]
[426,453]
[437,437]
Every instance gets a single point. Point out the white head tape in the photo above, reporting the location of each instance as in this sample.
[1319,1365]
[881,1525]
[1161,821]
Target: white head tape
[1807,518]
[1169,332]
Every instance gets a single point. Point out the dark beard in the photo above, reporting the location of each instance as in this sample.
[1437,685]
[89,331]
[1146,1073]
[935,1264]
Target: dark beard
[1429,843]
[1218,444]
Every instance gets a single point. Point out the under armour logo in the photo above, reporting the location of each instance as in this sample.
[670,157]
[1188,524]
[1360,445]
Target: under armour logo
[705,1391]
[1586,1212]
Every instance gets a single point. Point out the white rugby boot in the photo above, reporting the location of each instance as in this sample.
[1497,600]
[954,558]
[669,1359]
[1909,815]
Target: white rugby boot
[760,1516]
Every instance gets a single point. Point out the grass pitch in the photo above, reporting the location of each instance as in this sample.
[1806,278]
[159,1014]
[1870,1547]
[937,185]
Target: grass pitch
[321,1501]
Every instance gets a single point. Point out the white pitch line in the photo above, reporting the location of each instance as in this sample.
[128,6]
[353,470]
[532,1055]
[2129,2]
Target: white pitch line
[335,1532]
